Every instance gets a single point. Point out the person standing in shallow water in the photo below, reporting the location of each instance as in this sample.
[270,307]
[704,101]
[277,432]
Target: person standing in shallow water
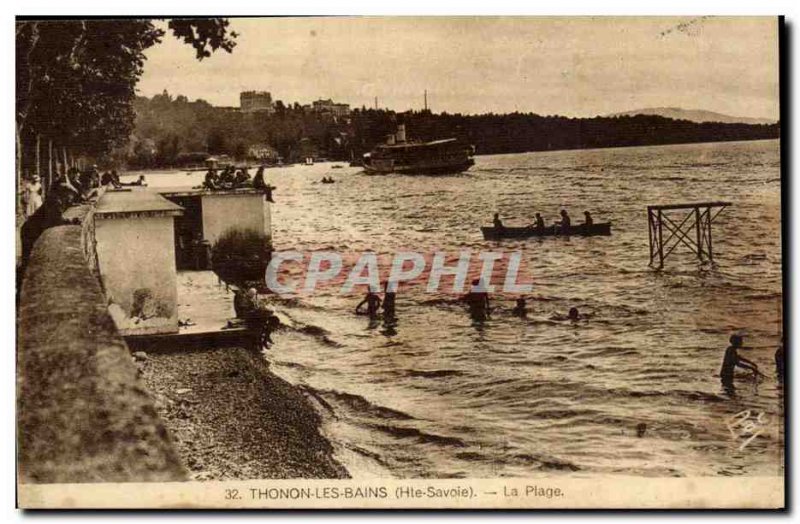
[733,359]
[520,310]
[478,302]
[373,303]
[389,296]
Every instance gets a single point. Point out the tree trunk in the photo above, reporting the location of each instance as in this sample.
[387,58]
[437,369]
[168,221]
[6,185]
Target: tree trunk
[39,159]
[38,156]
[49,164]
[19,170]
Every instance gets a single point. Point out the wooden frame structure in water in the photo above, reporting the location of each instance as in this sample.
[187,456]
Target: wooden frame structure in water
[699,218]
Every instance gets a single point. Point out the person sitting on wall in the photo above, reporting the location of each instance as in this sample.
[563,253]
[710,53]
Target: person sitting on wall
[258,318]
[212,180]
[141,181]
[226,178]
[110,179]
[241,179]
[258,181]
[68,192]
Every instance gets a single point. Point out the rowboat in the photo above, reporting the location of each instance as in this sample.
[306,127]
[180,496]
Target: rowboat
[493,233]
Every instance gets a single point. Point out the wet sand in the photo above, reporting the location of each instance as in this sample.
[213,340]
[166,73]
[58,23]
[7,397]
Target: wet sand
[230,418]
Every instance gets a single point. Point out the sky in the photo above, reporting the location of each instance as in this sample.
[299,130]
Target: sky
[576,67]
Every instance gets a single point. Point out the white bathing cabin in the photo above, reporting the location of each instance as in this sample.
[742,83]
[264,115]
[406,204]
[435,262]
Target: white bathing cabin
[144,236]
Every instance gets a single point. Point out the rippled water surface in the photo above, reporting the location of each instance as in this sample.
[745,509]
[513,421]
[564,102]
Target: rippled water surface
[438,396]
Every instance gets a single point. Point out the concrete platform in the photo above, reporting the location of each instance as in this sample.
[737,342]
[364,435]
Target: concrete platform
[208,305]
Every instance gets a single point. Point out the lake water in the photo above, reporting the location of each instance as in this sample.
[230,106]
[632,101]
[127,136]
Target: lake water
[437,395]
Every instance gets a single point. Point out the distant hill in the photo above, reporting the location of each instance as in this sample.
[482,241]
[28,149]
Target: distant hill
[694,115]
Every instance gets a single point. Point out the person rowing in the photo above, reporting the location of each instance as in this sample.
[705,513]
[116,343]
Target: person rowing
[539,223]
[587,220]
[498,224]
[565,223]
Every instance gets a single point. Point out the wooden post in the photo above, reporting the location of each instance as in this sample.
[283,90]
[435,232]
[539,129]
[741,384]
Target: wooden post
[660,245]
[650,232]
[697,231]
[708,233]
[66,163]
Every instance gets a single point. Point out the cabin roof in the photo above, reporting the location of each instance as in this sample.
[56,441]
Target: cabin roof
[175,191]
[118,203]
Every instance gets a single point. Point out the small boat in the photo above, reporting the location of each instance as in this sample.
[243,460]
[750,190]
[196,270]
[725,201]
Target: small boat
[493,233]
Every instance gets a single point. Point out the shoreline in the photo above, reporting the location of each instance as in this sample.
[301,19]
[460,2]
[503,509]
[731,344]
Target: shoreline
[231,418]
[187,171]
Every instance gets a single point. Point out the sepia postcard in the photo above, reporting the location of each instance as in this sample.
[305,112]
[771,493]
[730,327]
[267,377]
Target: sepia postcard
[399,262]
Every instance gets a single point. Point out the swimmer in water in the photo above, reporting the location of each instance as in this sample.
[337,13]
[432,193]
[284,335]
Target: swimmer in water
[574,315]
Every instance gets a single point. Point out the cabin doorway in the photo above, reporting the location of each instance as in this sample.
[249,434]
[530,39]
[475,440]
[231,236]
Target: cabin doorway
[192,251]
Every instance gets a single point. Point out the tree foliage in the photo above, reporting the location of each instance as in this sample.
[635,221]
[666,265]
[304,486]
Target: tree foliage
[76,79]
[217,130]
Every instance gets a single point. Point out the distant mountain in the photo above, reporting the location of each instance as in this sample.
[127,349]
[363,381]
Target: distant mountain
[695,115]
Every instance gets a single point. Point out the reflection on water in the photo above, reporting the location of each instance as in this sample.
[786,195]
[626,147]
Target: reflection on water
[436,396]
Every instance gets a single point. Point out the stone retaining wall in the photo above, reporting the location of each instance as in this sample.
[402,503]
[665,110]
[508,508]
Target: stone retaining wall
[83,413]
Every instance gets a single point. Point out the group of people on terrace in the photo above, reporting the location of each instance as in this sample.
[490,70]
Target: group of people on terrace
[231,177]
